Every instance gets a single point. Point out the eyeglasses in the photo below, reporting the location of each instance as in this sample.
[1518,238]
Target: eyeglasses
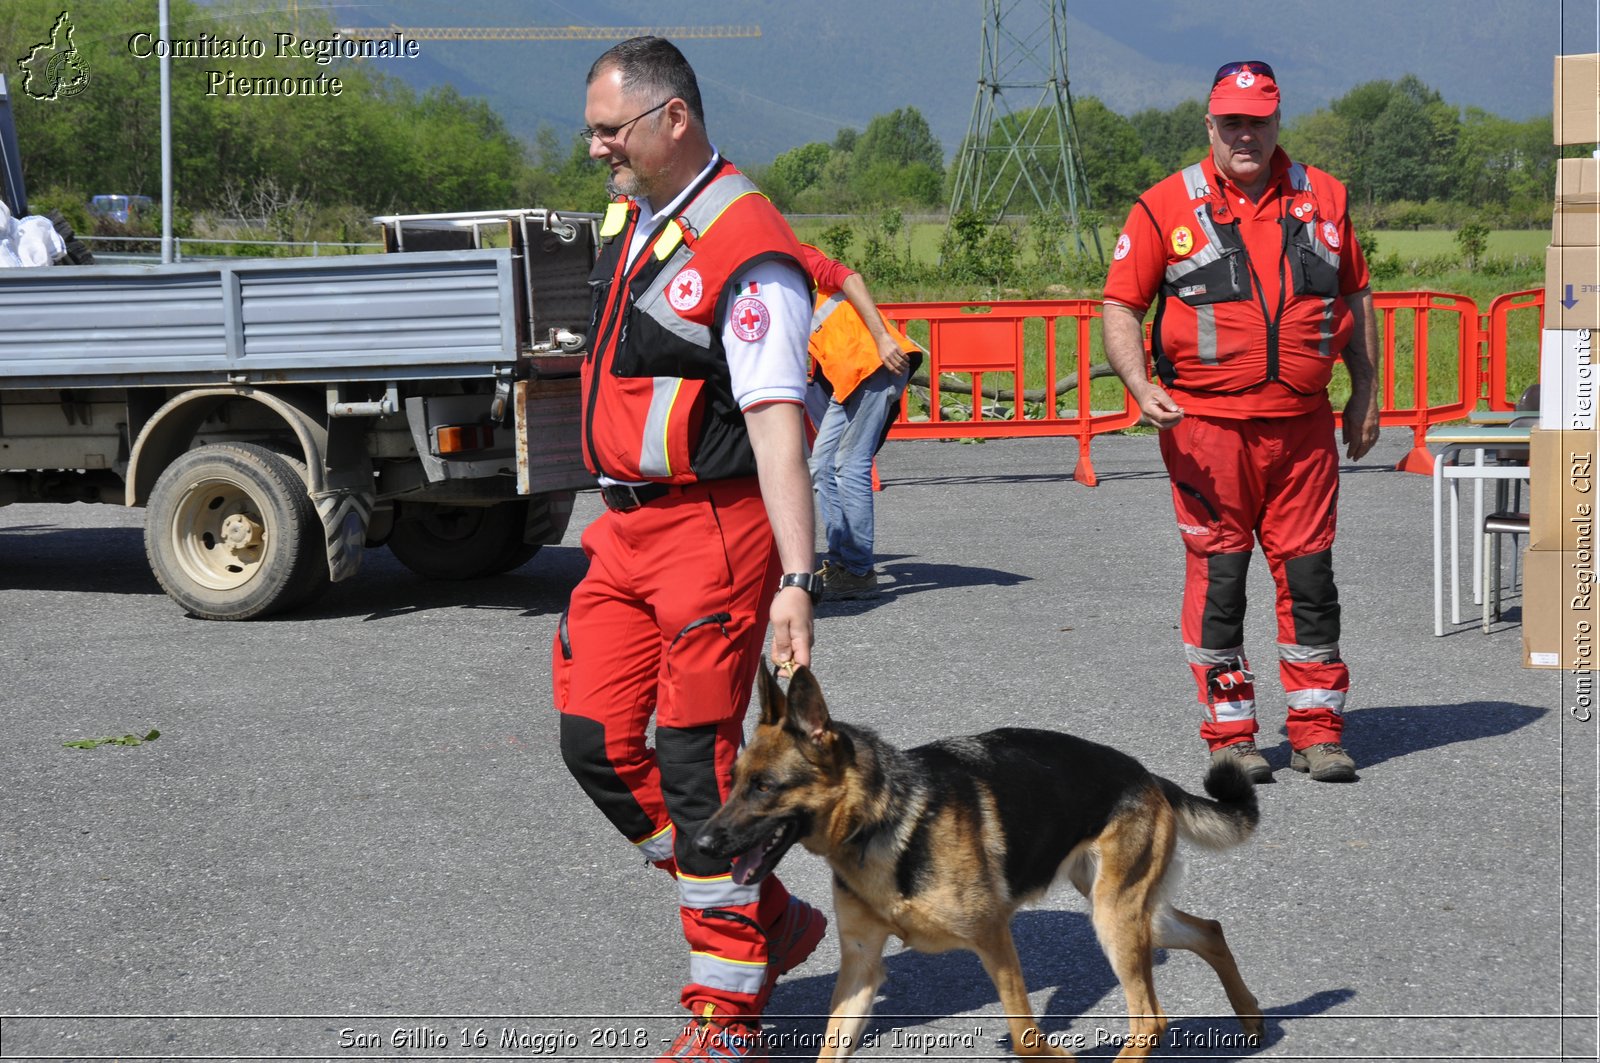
[609,133]
[1255,66]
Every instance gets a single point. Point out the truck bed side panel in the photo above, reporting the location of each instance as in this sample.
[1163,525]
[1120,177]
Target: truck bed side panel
[259,320]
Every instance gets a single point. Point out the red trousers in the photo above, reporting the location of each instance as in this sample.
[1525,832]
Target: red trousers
[1276,481]
[669,622]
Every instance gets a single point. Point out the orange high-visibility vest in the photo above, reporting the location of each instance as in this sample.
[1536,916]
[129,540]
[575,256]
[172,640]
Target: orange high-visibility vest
[842,345]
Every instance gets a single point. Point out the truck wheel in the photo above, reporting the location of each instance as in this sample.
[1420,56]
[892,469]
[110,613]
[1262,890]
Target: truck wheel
[231,533]
[461,542]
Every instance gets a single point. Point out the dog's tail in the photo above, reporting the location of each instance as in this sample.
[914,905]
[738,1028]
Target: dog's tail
[1228,818]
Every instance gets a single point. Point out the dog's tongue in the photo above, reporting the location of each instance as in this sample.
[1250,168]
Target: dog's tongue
[745,865]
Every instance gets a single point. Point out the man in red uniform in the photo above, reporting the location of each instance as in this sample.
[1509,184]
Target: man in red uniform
[693,397]
[1259,287]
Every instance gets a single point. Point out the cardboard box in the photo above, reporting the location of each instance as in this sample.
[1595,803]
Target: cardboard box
[1571,287]
[1558,611]
[1562,490]
[1575,221]
[1568,378]
[1577,99]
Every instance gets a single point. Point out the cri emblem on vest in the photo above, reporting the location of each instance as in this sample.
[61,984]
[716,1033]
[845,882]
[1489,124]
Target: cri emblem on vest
[685,290]
[1182,240]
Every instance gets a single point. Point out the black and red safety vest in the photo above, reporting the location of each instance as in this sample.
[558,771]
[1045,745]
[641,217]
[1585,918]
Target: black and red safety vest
[658,403]
[1214,334]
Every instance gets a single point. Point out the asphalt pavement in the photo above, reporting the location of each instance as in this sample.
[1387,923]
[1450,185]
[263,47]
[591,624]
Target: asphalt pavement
[355,839]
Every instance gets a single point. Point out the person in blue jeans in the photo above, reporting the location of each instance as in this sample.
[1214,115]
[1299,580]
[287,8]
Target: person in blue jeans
[862,365]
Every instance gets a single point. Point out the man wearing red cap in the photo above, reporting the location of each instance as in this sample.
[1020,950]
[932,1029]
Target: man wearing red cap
[1259,286]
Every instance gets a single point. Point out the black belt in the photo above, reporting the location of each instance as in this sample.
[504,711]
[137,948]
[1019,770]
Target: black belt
[623,497]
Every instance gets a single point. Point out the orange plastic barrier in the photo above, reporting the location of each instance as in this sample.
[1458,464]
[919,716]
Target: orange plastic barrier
[1495,389]
[1438,358]
[989,341]
[1431,314]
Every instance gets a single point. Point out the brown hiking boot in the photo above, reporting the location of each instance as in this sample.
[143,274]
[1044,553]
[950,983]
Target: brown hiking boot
[841,583]
[1248,757]
[1326,761]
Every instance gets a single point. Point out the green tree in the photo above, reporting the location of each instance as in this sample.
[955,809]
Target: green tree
[1503,163]
[1322,139]
[901,138]
[793,172]
[897,159]
[1174,138]
[1114,162]
[562,176]
[1416,136]
[1473,239]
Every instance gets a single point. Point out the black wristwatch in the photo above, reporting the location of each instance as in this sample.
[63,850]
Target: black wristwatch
[809,582]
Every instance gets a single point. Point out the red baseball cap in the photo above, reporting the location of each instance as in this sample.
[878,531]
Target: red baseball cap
[1249,88]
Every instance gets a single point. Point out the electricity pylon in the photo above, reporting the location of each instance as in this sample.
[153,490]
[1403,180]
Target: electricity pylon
[1022,150]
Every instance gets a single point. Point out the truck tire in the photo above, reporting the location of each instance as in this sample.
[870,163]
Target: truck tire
[231,533]
[461,542]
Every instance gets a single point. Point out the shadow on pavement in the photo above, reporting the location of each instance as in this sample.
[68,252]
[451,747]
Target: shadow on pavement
[898,578]
[1058,949]
[1383,733]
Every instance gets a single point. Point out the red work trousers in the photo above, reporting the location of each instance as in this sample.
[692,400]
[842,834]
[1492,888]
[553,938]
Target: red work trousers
[1275,480]
[669,622]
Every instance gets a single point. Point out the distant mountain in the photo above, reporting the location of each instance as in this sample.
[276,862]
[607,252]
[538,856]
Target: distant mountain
[827,64]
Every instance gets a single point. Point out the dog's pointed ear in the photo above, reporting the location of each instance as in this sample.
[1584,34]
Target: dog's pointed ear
[808,712]
[774,703]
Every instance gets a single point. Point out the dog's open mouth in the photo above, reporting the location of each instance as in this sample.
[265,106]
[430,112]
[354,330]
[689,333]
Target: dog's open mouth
[757,863]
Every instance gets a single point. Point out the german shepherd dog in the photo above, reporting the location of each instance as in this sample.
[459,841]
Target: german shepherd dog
[940,845]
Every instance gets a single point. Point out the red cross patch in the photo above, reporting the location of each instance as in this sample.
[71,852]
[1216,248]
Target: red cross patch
[750,319]
[685,290]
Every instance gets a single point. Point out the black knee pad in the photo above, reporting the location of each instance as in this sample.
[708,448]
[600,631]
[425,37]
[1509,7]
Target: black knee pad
[1222,623]
[583,748]
[1314,598]
[688,760]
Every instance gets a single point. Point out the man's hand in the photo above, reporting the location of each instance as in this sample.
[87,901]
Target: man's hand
[791,627]
[1157,406]
[890,354]
[1360,424]
[1124,340]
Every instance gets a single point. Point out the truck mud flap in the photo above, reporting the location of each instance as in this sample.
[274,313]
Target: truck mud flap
[345,515]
